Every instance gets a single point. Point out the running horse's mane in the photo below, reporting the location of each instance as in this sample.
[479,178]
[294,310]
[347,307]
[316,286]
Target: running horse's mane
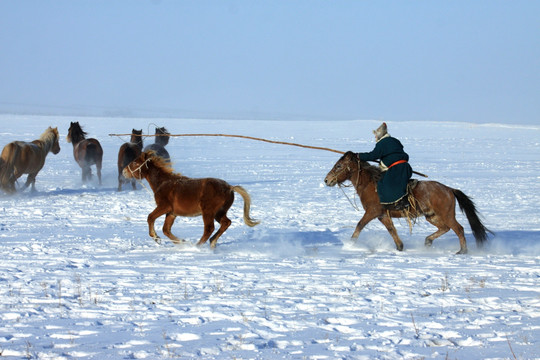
[161,163]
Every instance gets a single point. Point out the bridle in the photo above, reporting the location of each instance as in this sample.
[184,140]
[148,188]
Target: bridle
[139,168]
[341,186]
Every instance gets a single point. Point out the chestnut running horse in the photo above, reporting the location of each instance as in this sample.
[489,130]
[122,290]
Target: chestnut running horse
[87,152]
[178,195]
[431,199]
[20,157]
[126,154]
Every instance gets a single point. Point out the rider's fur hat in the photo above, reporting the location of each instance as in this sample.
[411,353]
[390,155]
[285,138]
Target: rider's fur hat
[380,131]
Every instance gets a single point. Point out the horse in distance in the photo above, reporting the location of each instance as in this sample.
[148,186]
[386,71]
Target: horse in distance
[87,152]
[20,157]
[126,154]
[431,199]
[161,140]
[178,195]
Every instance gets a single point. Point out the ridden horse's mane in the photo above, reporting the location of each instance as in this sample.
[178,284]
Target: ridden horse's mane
[374,172]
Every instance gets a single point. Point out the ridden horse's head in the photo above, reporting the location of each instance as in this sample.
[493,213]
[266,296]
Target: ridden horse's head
[350,167]
[342,170]
[75,133]
[136,138]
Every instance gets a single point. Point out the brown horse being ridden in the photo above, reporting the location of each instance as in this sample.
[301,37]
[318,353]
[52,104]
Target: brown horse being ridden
[20,157]
[178,195]
[127,153]
[87,152]
[431,199]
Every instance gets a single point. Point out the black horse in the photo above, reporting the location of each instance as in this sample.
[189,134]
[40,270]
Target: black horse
[161,139]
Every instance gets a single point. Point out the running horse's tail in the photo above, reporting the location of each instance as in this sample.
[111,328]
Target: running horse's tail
[7,167]
[466,205]
[247,205]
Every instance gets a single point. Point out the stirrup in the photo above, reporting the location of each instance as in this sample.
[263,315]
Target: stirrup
[401,204]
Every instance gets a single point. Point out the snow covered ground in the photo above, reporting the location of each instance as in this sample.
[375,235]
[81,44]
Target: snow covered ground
[81,279]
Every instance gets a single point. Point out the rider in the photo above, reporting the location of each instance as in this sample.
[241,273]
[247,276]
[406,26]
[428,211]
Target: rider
[392,187]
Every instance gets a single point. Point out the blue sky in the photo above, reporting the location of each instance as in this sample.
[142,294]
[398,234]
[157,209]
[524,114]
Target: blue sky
[476,61]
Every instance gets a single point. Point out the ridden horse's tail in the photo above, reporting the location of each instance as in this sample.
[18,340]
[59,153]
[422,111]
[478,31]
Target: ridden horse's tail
[7,167]
[247,204]
[467,206]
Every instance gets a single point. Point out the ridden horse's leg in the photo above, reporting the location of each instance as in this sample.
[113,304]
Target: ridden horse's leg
[167,225]
[225,222]
[208,220]
[441,229]
[152,219]
[458,229]
[368,216]
[387,221]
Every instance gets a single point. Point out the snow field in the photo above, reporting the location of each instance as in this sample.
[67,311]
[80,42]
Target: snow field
[82,279]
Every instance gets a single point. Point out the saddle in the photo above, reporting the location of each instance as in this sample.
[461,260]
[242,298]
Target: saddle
[403,203]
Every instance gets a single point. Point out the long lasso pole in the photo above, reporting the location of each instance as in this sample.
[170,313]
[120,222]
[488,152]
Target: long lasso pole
[254,138]
[245,137]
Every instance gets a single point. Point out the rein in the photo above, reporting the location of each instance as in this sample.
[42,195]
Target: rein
[354,205]
[341,186]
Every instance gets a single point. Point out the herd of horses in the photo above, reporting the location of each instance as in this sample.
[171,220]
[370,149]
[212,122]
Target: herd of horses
[178,195]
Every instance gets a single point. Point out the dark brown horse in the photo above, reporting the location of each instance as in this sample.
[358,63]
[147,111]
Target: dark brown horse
[161,139]
[20,157]
[87,152]
[431,199]
[178,195]
[127,153]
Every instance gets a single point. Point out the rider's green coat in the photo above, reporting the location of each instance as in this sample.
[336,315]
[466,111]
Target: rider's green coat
[393,184]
